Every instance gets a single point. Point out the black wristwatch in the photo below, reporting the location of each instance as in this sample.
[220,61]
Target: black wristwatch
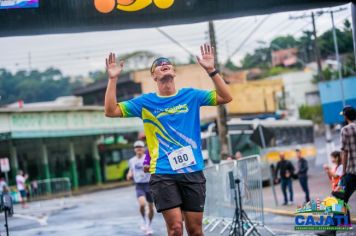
[212,74]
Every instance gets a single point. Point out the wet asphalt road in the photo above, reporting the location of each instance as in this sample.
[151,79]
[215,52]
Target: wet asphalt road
[114,212]
[111,212]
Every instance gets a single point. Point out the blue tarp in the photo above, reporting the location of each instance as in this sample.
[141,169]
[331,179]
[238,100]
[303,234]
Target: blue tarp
[331,99]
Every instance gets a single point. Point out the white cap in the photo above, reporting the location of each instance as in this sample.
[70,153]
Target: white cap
[139,143]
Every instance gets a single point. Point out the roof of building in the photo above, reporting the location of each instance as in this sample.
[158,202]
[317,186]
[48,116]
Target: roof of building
[102,84]
[51,109]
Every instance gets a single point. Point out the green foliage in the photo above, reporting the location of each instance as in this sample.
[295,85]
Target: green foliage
[98,75]
[344,40]
[231,66]
[313,113]
[276,71]
[192,60]
[33,86]
[261,57]
[306,47]
[133,61]
[347,25]
[348,65]
[327,73]
[348,69]
[283,42]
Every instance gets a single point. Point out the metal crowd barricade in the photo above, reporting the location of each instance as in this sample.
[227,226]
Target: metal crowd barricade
[220,204]
[219,207]
[57,187]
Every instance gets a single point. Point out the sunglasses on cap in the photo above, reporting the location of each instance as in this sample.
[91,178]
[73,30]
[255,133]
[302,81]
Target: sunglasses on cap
[160,62]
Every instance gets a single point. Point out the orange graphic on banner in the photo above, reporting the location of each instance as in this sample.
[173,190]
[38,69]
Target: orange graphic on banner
[106,6]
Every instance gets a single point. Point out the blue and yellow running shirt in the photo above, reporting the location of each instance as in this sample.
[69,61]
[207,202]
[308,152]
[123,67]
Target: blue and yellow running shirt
[171,123]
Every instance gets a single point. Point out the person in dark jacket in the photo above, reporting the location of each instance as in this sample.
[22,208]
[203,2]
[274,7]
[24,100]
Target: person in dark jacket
[284,171]
[303,174]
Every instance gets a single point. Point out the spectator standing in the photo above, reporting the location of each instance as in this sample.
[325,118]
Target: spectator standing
[303,174]
[335,172]
[3,184]
[21,187]
[284,172]
[348,151]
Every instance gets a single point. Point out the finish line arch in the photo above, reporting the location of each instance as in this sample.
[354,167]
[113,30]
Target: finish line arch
[72,16]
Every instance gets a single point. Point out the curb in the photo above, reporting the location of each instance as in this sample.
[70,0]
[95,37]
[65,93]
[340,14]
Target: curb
[101,187]
[83,190]
[291,214]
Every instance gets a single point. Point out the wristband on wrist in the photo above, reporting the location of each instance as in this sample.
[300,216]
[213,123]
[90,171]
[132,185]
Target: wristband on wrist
[215,72]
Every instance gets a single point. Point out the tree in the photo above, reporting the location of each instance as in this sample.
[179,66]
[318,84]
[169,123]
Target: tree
[283,42]
[344,38]
[137,60]
[305,46]
[328,74]
[260,58]
[133,61]
[98,75]
[313,113]
[33,86]
[230,65]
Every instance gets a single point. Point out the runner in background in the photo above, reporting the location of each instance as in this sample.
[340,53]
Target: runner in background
[141,180]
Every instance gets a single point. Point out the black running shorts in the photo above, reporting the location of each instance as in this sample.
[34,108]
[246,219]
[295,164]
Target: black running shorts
[186,191]
[143,189]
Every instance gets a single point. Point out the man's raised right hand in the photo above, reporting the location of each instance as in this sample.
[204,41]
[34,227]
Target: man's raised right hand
[112,68]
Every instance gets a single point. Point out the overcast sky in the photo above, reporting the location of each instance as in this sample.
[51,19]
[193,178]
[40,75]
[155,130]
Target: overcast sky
[77,54]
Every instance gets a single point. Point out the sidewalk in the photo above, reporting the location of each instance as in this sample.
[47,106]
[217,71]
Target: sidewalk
[319,187]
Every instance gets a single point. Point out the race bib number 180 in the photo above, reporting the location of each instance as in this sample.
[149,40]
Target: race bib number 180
[181,158]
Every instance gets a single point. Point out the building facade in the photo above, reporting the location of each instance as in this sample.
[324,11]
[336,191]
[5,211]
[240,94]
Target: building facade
[61,142]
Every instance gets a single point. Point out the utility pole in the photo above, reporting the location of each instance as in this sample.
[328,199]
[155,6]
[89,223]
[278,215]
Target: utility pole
[221,119]
[317,51]
[315,41]
[29,62]
[337,56]
[329,142]
[338,59]
[353,15]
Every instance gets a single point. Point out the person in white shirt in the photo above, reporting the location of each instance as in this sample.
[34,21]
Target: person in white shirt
[141,179]
[21,187]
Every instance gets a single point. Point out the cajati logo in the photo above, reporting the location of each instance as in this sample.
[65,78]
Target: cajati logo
[106,6]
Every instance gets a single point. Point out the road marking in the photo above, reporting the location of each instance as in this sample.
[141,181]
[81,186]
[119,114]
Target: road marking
[42,220]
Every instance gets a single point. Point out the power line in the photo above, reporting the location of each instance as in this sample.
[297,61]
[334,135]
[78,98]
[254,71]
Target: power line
[248,36]
[233,29]
[68,59]
[315,41]
[125,47]
[291,22]
[84,54]
[175,42]
[227,25]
